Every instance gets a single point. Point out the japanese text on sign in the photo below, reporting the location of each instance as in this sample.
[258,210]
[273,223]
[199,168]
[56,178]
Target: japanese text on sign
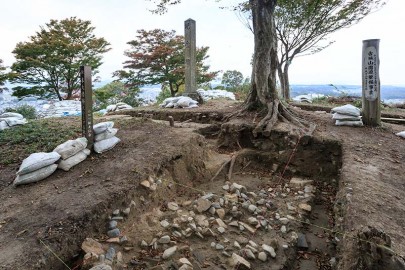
[370,74]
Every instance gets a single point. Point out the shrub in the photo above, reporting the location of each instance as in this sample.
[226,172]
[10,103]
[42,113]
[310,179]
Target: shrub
[27,111]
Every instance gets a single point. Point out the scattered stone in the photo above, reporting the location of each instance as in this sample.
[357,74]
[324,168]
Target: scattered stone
[253,244]
[251,248]
[283,229]
[114,240]
[173,206]
[186,203]
[112,224]
[238,261]
[225,187]
[252,208]
[113,233]
[221,223]
[226,254]
[169,252]
[144,244]
[116,212]
[242,240]
[201,221]
[145,184]
[110,254]
[270,250]
[117,218]
[123,240]
[249,228]
[92,246]
[284,221]
[212,210]
[221,230]
[221,213]
[237,245]
[305,207]
[234,224]
[177,234]
[261,202]
[101,267]
[299,182]
[262,256]
[290,207]
[213,244]
[309,189]
[132,204]
[248,253]
[203,205]
[219,247]
[184,261]
[302,243]
[126,211]
[164,223]
[164,239]
[253,221]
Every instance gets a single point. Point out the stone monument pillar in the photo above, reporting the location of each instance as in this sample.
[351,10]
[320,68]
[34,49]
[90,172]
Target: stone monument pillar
[87,104]
[190,60]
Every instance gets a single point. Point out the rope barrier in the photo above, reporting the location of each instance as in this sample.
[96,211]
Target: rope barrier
[54,254]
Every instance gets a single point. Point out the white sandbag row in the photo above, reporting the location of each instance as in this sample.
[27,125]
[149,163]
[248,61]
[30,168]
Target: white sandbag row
[401,134]
[10,119]
[36,167]
[118,107]
[72,152]
[104,137]
[347,115]
[215,93]
[179,102]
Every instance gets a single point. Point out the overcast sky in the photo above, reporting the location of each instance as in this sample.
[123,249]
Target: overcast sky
[231,44]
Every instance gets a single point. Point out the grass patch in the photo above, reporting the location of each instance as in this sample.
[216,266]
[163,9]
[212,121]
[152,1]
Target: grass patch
[43,135]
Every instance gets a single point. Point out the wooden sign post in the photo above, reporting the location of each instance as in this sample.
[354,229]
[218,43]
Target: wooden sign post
[371,95]
[87,105]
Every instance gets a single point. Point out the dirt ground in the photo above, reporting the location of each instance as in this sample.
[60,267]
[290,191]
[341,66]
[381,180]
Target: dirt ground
[61,211]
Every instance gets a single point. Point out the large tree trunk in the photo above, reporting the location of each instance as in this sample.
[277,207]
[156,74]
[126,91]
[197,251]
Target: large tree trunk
[263,91]
[286,82]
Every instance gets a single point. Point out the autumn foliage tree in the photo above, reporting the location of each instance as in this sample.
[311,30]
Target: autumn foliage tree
[50,60]
[157,57]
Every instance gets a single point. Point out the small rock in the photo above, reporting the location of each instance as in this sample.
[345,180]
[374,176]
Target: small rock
[90,245]
[203,205]
[212,210]
[219,247]
[213,244]
[186,203]
[237,245]
[164,223]
[117,218]
[302,242]
[164,239]
[253,244]
[221,230]
[115,240]
[270,250]
[252,208]
[251,248]
[116,212]
[110,254]
[221,213]
[299,182]
[123,240]
[145,184]
[144,244]
[234,224]
[221,223]
[248,253]
[305,207]
[169,252]
[126,211]
[112,224]
[226,254]
[283,229]
[262,256]
[184,261]
[101,267]
[284,221]
[253,221]
[132,204]
[173,206]
[238,261]
[113,233]
[261,202]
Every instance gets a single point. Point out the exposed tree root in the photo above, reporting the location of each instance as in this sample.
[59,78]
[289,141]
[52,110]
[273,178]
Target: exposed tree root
[231,166]
[220,169]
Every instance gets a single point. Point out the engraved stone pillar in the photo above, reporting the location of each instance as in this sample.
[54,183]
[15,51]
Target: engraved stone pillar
[190,59]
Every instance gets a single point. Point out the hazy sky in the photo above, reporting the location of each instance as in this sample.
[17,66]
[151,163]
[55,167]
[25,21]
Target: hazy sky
[231,44]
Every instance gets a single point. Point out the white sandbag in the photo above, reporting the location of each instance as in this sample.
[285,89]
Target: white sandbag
[11,114]
[347,109]
[349,123]
[103,126]
[105,145]
[109,133]
[3,125]
[184,102]
[338,116]
[35,176]
[71,147]
[37,161]
[14,121]
[401,134]
[111,108]
[169,105]
[192,106]
[73,160]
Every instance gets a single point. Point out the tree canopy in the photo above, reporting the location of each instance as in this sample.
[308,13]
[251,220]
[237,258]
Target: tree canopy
[157,57]
[50,60]
[232,79]
[303,27]
[3,76]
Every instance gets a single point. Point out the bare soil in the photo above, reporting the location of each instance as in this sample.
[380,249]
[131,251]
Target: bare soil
[358,172]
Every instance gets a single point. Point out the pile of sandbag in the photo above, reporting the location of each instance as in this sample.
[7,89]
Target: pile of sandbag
[215,93]
[72,153]
[104,137]
[10,119]
[118,107]
[401,134]
[36,167]
[179,102]
[347,115]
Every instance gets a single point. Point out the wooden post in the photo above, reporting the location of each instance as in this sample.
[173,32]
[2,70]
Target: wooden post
[87,105]
[371,95]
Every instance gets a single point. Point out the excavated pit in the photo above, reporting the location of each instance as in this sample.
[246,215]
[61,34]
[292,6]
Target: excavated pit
[292,183]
